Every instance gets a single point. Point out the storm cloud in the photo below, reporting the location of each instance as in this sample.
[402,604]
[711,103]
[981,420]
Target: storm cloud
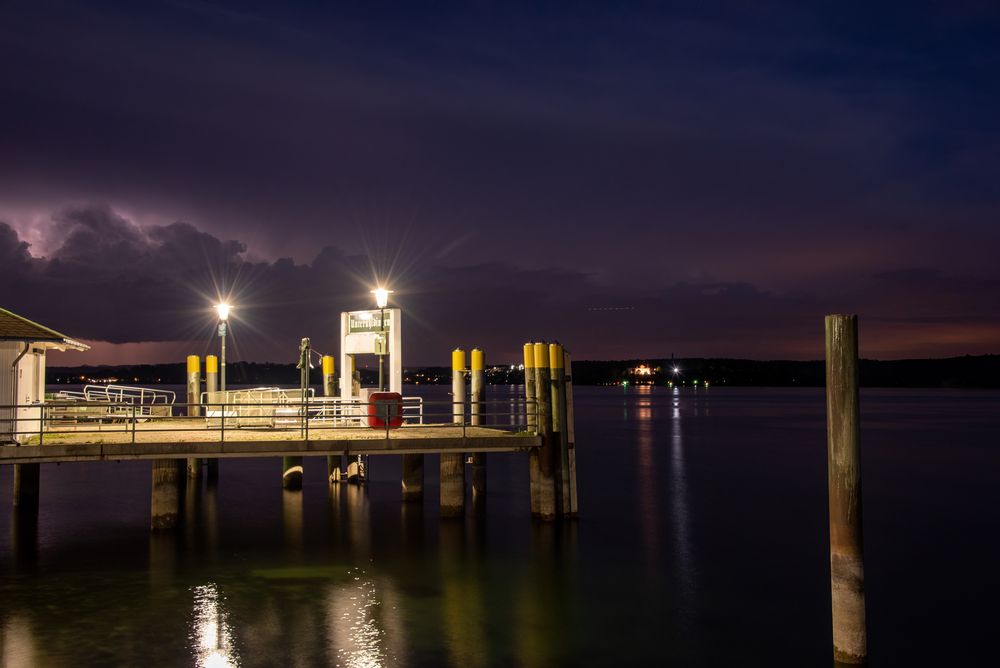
[112,280]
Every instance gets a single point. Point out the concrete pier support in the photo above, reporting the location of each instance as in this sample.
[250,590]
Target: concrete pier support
[531,417]
[194,464]
[212,388]
[452,485]
[476,385]
[847,575]
[413,477]
[542,460]
[453,465]
[560,437]
[291,475]
[27,478]
[165,504]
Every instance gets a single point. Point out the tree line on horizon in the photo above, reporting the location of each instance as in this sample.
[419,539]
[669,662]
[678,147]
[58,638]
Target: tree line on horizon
[971,371]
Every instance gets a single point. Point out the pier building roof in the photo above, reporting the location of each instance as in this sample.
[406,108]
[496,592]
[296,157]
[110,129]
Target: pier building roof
[17,328]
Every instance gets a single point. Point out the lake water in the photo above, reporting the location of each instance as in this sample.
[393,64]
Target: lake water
[702,540]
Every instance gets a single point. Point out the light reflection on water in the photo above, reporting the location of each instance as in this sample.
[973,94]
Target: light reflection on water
[355,622]
[211,632]
[679,501]
[17,644]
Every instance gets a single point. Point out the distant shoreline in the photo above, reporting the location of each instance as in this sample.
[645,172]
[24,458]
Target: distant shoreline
[970,371]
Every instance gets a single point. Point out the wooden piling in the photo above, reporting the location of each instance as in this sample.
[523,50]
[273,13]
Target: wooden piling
[531,418]
[560,437]
[27,483]
[476,386]
[570,434]
[194,464]
[165,497]
[211,388]
[542,459]
[847,578]
[453,465]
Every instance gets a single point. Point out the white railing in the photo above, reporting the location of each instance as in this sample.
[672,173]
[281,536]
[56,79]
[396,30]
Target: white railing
[124,400]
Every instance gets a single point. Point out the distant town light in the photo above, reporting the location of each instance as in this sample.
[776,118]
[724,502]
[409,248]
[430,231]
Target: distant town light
[676,371]
[223,310]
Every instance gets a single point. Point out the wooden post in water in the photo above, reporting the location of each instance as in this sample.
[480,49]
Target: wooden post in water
[193,408]
[333,462]
[476,383]
[453,465]
[560,438]
[531,410]
[847,577]
[211,388]
[165,496]
[542,459]
[570,434]
[27,482]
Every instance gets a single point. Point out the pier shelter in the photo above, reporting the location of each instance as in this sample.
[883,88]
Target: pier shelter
[23,345]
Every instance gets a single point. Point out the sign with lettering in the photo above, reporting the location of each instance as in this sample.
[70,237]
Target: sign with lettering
[359,322]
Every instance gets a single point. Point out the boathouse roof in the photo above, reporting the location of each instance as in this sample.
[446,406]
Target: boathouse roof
[17,328]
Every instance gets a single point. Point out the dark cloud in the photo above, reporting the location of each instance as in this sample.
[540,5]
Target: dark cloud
[112,280]
[724,172]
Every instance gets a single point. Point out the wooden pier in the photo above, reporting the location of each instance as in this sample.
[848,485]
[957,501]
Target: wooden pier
[101,425]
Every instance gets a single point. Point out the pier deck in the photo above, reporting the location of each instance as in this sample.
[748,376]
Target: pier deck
[190,438]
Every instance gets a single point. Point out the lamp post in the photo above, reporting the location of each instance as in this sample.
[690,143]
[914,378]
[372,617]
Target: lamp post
[223,310]
[381,300]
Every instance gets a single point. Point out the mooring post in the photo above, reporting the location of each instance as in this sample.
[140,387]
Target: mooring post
[476,383]
[570,433]
[330,390]
[531,418]
[165,494]
[560,438]
[27,482]
[193,407]
[542,459]
[211,388]
[453,465]
[847,577]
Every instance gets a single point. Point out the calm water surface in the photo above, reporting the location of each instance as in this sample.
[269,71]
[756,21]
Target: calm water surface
[702,541]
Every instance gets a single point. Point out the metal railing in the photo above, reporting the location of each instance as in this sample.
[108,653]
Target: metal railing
[121,400]
[80,422]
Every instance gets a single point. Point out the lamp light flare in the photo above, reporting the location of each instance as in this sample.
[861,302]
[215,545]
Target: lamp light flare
[223,311]
[381,296]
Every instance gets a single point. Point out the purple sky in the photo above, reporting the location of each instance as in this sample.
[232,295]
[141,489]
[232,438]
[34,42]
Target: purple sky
[702,181]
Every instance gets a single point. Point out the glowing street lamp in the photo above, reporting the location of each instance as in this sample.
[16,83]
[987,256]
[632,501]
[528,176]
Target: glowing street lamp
[223,309]
[381,300]
[381,297]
